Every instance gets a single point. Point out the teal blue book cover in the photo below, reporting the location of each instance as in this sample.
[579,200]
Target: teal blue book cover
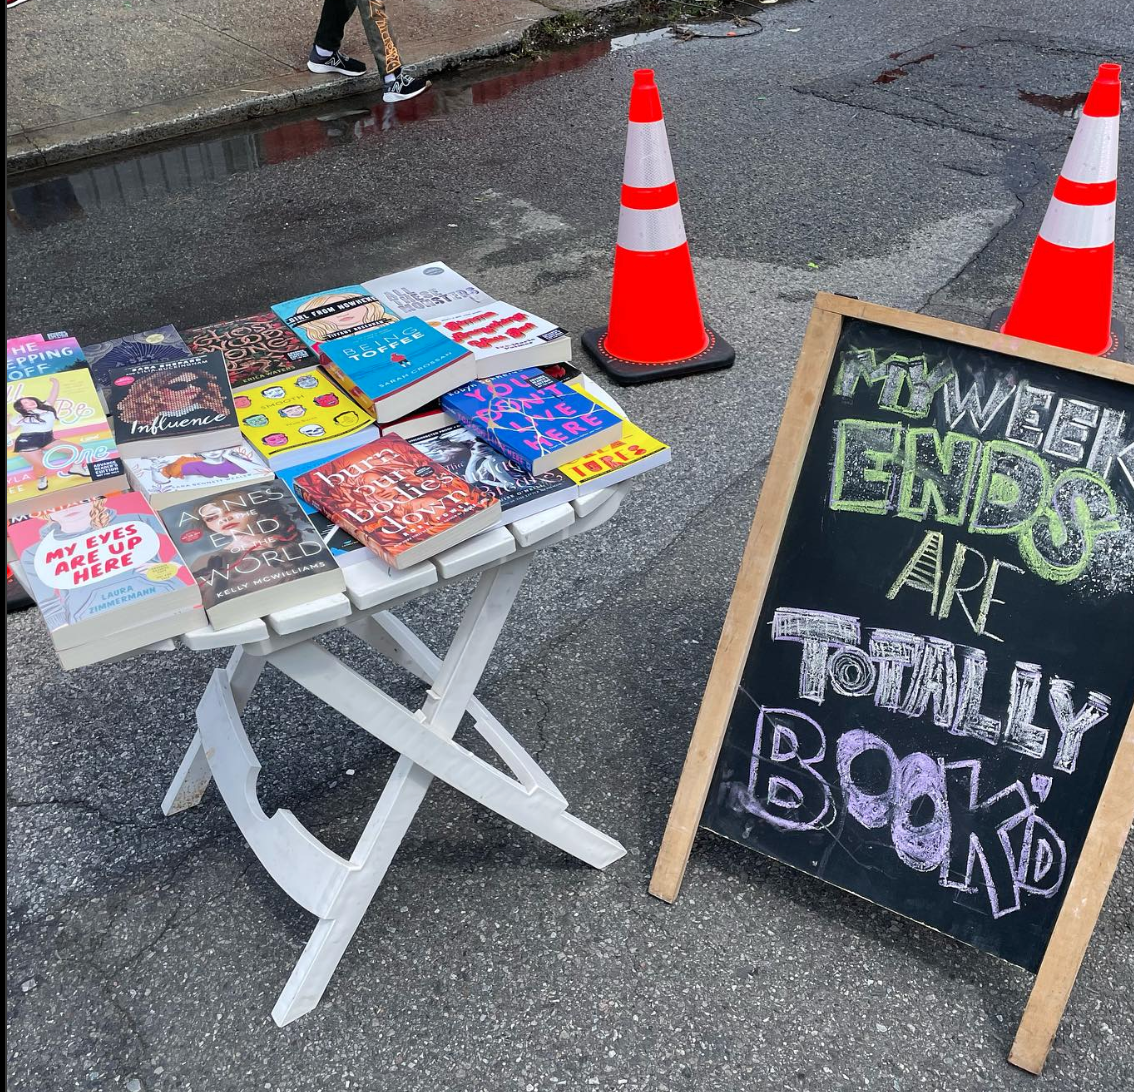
[388,359]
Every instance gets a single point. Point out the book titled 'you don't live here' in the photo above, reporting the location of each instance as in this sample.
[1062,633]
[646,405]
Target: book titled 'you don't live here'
[537,422]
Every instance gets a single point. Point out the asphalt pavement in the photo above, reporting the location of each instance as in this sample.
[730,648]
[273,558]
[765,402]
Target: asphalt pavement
[146,953]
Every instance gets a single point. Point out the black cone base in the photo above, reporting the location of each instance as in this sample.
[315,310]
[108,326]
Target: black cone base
[1117,348]
[717,354]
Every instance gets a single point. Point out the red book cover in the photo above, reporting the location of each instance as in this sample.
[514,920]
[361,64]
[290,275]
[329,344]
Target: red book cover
[397,501]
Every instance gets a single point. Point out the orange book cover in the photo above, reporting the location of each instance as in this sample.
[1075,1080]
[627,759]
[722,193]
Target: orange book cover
[395,500]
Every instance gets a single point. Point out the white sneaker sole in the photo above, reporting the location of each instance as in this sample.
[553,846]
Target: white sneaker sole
[394,96]
[313,67]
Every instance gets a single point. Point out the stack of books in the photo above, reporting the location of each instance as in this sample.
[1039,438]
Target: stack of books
[380,422]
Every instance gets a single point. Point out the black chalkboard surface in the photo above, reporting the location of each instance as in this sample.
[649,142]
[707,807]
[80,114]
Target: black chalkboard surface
[923,691]
[945,658]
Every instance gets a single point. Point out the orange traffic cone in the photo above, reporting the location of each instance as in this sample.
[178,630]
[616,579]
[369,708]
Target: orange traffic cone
[1066,292]
[656,330]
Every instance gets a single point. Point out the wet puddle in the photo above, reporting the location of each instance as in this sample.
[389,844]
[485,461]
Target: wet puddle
[132,178]
[181,167]
[1067,106]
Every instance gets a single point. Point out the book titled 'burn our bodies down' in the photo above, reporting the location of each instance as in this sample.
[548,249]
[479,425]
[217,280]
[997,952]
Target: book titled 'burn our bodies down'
[536,421]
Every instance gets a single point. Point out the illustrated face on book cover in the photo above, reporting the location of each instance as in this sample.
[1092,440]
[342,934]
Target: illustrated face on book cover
[188,396]
[91,557]
[56,430]
[240,532]
[338,314]
[477,462]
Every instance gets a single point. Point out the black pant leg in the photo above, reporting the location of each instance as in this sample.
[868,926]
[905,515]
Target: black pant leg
[332,23]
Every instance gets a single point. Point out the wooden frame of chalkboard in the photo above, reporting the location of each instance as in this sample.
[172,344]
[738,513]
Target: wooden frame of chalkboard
[1106,824]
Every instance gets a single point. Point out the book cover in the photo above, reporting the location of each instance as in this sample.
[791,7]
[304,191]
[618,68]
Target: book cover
[37,355]
[344,547]
[431,416]
[23,344]
[57,437]
[292,412]
[337,313]
[164,343]
[256,348]
[96,557]
[383,362]
[170,400]
[427,291]
[467,456]
[499,333]
[635,447]
[395,499]
[246,540]
[217,470]
[532,418]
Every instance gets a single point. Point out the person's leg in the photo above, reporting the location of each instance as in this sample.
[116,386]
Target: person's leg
[399,84]
[380,36]
[332,23]
[325,55]
[34,455]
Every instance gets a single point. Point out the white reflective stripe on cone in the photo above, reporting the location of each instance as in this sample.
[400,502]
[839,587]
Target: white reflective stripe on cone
[647,155]
[1078,226]
[1093,155]
[651,229]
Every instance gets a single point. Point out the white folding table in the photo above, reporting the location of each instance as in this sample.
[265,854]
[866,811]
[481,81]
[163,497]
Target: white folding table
[335,889]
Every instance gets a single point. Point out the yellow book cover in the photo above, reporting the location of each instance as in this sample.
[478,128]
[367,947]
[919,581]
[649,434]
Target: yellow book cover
[295,411]
[58,437]
[624,457]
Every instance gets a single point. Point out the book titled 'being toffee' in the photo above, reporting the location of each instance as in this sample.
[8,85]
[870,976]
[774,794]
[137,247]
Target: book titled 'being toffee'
[398,502]
[253,551]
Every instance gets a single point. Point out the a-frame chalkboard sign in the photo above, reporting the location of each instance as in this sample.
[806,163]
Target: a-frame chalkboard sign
[923,689]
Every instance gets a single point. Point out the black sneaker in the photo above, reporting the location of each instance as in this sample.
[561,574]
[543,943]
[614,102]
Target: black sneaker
[336,62]
[404,86]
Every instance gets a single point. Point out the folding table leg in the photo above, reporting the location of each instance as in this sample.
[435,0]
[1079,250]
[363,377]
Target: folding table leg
[193,775]
[480,627]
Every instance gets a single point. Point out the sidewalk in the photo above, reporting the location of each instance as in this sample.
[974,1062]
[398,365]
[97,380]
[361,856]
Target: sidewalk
[92,76]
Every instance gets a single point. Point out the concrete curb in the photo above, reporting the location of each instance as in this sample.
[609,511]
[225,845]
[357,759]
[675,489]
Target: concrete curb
[31,150]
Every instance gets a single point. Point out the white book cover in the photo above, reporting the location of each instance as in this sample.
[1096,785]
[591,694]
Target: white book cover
[428,291]
[213,471]
[504,338]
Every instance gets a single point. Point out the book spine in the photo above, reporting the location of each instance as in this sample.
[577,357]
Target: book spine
[347,384]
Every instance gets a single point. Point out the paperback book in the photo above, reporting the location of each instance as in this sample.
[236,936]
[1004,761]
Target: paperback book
[329,316]
[164,343]
[100,566]
[520,492]
[177,479]
[58,440]
[399,367]
[344,547]
[534,420]
[36,355]
[286,417]
[504,338]
[172,407]
[427,291]
[252,551]
[431,417]
[256,348]
[398,502]
[635,453]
